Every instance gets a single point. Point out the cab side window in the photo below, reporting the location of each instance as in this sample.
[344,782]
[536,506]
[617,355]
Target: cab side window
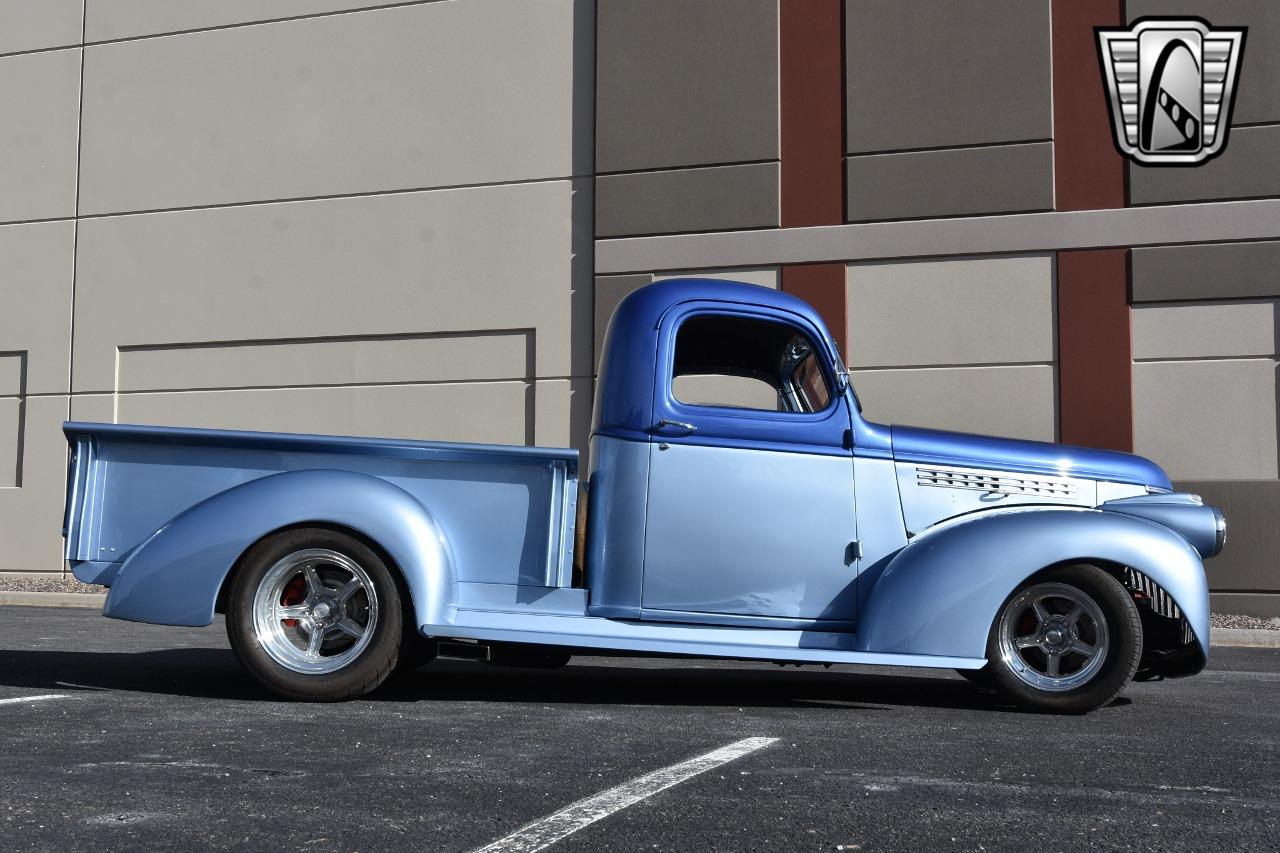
[742,363]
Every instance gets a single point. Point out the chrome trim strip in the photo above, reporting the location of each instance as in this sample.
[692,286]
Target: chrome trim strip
[997,482]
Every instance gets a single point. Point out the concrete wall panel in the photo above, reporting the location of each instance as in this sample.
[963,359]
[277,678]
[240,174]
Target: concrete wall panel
[685,84]
[562,413]
[1248,167]
[118,19]
[551,412]
[739,391]
[40,102]
[30,516]
[932,73]
[762,276]
[320,362]
[1248,562]
[37,262]
[722,198]
[39,24]
[494,412]
[612,289]
[1013,401]
[10,441]
[1204,330]
[950,182]
[609,291]
[956,311]
[12,373]
[405,264]
[1210,271]
[1207,420]
[431,95]
[1262,604]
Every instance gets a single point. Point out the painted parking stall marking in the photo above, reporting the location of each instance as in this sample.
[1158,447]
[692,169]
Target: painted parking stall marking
[544,832]
[17,700]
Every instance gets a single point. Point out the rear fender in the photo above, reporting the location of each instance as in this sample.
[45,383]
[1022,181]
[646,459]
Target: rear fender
[173,578]
[940,594]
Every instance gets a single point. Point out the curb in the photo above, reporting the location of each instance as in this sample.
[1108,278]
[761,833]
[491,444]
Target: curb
[61,599]
[1252,638]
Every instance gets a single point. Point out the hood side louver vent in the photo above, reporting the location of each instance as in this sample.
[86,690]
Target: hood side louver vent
[1001,483]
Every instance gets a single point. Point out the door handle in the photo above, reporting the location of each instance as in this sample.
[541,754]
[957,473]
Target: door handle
[667,422]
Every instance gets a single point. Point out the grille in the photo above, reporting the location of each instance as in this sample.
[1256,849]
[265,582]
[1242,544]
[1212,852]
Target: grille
[1161,603]
[1008,484]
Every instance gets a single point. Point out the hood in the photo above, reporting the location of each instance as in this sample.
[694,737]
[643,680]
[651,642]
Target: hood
[936,447]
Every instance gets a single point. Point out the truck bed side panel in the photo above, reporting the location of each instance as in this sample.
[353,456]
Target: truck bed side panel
[507,512]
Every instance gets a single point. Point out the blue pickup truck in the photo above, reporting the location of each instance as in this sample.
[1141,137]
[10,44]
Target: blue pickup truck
[737,505]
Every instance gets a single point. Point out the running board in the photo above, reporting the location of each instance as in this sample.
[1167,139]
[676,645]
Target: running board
[697,641]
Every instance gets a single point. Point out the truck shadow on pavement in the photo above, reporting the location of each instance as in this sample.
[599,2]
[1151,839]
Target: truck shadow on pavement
[213,673]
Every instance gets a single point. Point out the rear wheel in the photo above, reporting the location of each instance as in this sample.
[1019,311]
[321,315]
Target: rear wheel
[316,614]
[1067,642]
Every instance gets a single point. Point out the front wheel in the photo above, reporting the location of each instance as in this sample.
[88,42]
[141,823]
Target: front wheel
[315,614]
[1066,642]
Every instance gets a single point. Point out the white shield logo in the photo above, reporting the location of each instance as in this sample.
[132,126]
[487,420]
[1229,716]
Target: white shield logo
[1171,83]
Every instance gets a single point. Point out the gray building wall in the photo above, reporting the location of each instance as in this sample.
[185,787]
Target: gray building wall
[388,219]
[348,220]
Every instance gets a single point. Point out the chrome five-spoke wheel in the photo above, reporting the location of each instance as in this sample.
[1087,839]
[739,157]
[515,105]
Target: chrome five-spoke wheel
[315,611]
[1053,637]
[1068,641]
[317,614]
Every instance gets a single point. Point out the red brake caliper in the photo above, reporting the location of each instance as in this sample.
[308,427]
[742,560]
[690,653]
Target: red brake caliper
[295,592]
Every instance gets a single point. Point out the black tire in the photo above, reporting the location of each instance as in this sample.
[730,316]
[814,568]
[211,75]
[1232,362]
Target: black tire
[368,666]
[1120,649]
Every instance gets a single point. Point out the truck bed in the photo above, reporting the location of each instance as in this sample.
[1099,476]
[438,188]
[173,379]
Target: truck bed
[509,511]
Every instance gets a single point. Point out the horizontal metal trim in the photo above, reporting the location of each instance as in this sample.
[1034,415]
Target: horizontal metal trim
[1214,222]
[971,365]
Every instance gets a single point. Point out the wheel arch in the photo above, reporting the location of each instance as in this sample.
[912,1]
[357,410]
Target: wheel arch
[224,589]
[941,593]
[179,576]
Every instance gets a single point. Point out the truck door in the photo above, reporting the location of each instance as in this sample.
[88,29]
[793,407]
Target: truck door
[750,518]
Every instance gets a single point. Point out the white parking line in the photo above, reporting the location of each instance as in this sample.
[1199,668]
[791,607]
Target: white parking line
[544,832]
[17,699]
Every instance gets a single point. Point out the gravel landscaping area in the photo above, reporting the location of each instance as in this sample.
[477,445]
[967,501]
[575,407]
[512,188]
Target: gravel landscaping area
[15,583]
[1229,620]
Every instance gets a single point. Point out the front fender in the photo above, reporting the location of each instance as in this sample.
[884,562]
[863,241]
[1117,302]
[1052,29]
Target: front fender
[173,578]
[940,594]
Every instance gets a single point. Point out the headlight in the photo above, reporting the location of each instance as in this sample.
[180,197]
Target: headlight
[1220,523]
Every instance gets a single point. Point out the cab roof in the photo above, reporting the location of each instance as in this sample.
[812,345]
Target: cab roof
[624,393]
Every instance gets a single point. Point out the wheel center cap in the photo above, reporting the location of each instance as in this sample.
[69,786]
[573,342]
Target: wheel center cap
[322,610]
[1054,637]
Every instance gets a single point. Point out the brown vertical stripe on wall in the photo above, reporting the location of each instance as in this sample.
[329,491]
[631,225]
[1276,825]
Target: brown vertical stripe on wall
[811,90]
[1095,364]
[823,287]
[1088,170]
[812,101]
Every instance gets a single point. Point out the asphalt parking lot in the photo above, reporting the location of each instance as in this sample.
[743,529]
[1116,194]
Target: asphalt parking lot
[156,739]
